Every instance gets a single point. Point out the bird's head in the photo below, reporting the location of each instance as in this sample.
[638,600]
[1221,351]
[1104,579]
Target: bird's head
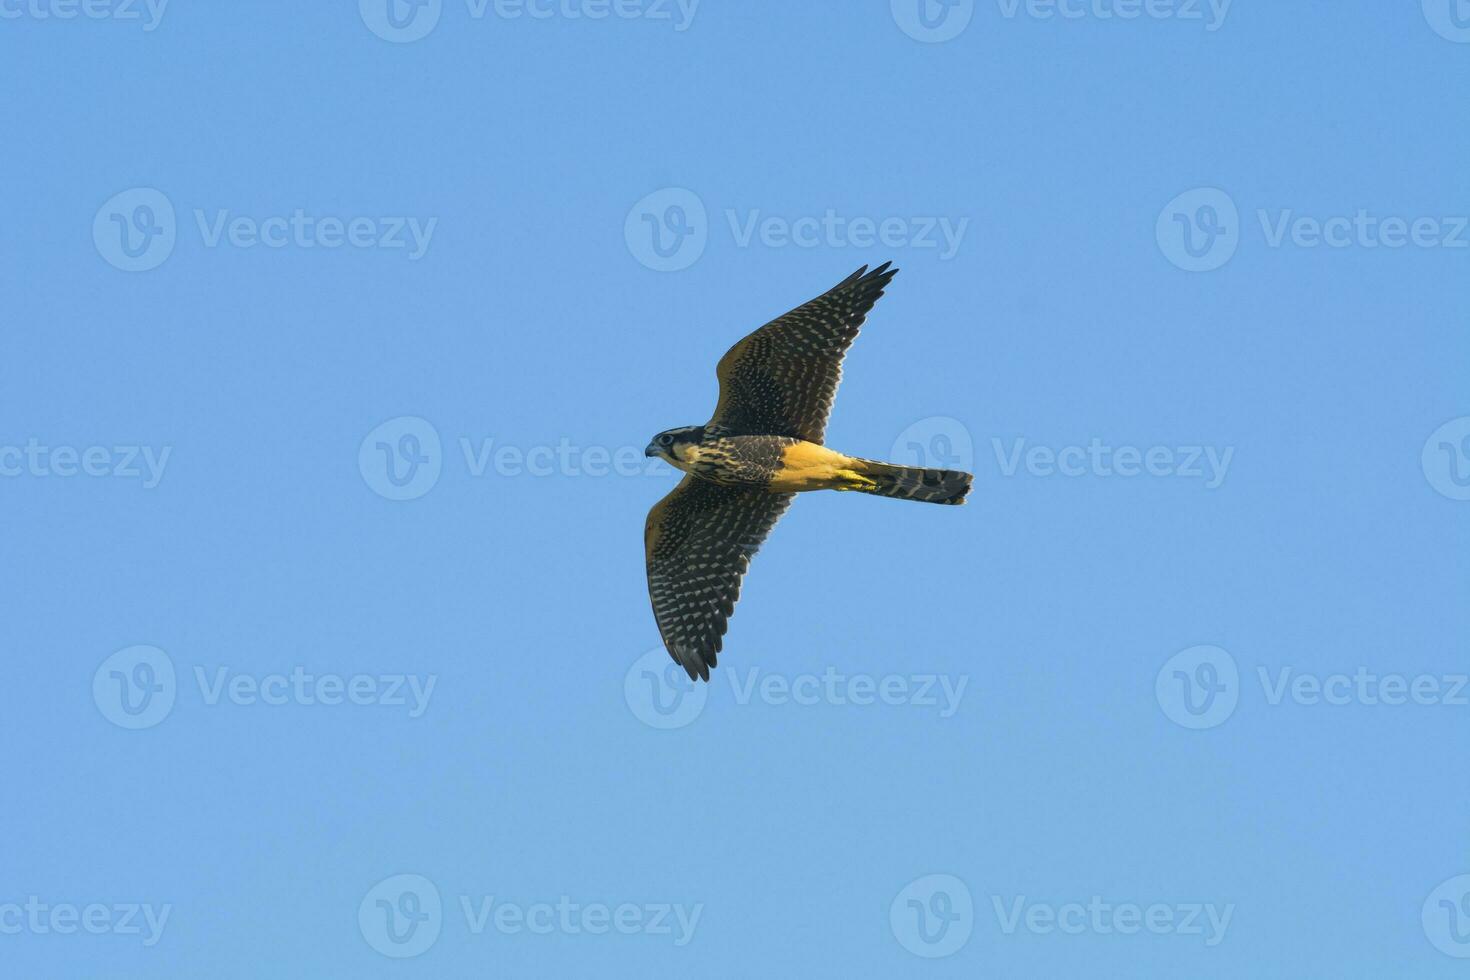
[670,444]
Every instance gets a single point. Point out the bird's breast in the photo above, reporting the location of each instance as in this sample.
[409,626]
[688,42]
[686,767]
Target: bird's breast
[808,466]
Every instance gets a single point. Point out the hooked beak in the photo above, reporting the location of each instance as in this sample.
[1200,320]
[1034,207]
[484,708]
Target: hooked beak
[651,450]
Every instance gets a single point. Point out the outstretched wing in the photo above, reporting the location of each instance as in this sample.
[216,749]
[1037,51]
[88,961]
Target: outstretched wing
[698,542]
[781,379]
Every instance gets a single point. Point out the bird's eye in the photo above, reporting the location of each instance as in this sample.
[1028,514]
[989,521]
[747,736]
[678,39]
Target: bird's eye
[665,440]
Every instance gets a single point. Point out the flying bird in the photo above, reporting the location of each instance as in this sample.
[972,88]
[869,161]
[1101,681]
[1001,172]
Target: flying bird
[762,446]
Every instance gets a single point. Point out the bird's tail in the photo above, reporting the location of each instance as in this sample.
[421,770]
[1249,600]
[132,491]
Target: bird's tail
[910,482]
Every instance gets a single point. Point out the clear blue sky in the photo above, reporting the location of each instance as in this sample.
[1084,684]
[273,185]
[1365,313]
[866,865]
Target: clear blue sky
[1080,727]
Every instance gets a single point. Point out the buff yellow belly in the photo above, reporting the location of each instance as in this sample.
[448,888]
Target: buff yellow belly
[808,466]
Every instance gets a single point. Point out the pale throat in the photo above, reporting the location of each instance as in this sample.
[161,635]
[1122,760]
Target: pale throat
[685,455]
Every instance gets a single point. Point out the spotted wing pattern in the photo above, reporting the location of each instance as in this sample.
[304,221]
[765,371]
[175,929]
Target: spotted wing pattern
[698,543]
[781,379]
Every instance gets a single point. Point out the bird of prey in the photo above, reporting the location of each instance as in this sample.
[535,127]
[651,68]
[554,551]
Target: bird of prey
[762,446]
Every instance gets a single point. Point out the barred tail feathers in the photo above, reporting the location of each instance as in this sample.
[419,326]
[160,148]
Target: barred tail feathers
[911,482]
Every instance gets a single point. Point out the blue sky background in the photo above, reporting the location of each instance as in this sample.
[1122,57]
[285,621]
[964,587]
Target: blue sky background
[1334,541]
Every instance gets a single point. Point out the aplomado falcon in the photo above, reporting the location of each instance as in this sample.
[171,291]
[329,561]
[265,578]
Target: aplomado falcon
[762,446]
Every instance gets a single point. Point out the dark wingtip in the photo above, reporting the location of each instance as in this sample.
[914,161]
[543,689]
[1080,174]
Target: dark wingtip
[884,272]
[694,665]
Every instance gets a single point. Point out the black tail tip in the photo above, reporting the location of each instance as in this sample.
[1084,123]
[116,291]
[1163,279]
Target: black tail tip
[961,483]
